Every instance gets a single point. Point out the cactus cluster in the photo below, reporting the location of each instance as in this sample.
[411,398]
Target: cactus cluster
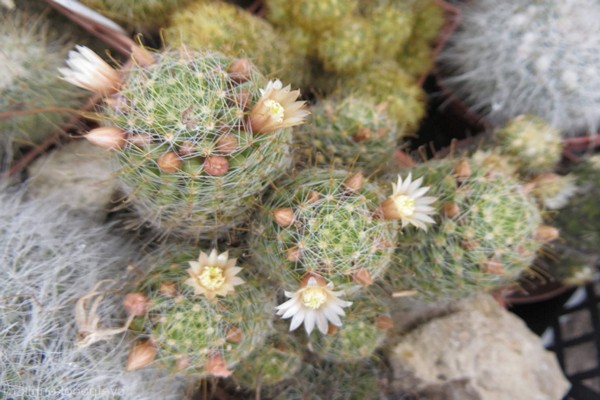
[488,231]
[193,164]
[511,58]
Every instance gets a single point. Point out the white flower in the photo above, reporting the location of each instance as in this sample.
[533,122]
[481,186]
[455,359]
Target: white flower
[88,71]
[554,191]
[277,108]
[408,204]
[213,275]
[315,303]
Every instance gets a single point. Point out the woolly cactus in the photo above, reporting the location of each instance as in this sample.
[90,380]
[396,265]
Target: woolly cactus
[532,145]
[197,138]
[487,233]
[322,222]
[348,46]
[233,31]
[348,132]
[197,327]
[31,53]
[538,58]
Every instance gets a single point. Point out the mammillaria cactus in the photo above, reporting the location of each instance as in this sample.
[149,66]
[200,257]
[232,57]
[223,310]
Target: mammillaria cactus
[348,132]
[199,136]
[203,319]
[488,232]
[539,58]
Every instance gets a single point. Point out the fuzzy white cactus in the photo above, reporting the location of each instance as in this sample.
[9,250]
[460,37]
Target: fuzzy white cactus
[514,57]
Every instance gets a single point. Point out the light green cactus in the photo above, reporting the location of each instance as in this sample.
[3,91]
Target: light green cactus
[192,165]
[322,222]
[392,23]
[348,46]
[318,15]
[350,132]
[486,233]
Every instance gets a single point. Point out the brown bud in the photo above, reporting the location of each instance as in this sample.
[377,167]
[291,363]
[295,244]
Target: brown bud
[388,210]
[140,139]
[215,365]
[234,334]
[136,304]
[240,70]
[384,322]
[227,144]
[182,363]
[168,289]
[284,217]
[216,165]
[293,254]
[313,197]
[462,170]
[404,159]
[141,355]
[546,233]
[451,209]
[354,182]
[169,162]
[187,148]
[305,278]
[242,99]
[362,134]
[108,137]
[141,56]
[332,330]
[362,276]
[470,244]
[493,267]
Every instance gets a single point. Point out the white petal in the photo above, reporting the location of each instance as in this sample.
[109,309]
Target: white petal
[309,320]
[293,309]
[297,320]
[332,316]
[322,323]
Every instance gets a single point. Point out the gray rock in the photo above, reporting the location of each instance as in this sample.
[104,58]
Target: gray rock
[79,175]
[479,351]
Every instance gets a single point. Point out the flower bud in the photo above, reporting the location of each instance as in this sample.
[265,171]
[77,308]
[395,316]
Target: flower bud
[362,134]
[136,304]
[462,170]
[451,209]
[546,233]
[169,162]
[284,217]
[313,197]
[216,165]
[215,365]
[141,355]
[240,70]
[404,159]
[234,335]
[354,182]
[293,254]
[227,144]
[362,276]
[108,137]
[384,322]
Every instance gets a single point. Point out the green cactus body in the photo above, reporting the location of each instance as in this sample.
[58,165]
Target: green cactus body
[186,106]
[334,233]
[316,15]
[31,53]
[278,12]
[485,237]
[387,83]
[392,25]
[348,132]
[429,20]
[579,220]
[188,329]
[360,335]
[348,46]
[233,31]
[144,15]
[533,145]
[416,57]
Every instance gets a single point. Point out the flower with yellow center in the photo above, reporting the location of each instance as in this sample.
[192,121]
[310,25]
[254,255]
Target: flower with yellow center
[277,108]
[408,204]
[213,275]
[88,71]
[314,303]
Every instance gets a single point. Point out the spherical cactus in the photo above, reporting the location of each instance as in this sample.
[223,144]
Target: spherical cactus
[31,53]
[197,135]
[202,317]
[387,83]
[487,232]
[538,58]
[317,15]
[392,25]
[532,144]
[348,46]
[322,223]
[350,132]
[233,31]
[416,57]
[429,20]
[144,15]
[278,12]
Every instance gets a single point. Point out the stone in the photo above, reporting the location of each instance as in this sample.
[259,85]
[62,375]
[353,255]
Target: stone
[77,174]
[478,351]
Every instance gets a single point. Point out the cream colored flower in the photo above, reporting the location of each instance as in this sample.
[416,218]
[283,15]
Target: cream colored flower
[277,108]
[315,303]
[88,71]
[408,204]
[554,191]
[213,275]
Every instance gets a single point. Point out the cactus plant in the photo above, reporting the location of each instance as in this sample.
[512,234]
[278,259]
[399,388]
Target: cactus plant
[322,222]
[317,15]
[349,132]
[487,233]
[538,58]
[197,137]
[392,23]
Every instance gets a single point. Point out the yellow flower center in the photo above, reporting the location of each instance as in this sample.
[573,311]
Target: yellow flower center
[212,278]
[405,205]
[314,297]
[276,110]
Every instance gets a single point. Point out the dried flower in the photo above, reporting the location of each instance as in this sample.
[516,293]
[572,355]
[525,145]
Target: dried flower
[277,108]
[408,204]
[108,137]
[88,71]
[141,355]
[214,275]
[315,303]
